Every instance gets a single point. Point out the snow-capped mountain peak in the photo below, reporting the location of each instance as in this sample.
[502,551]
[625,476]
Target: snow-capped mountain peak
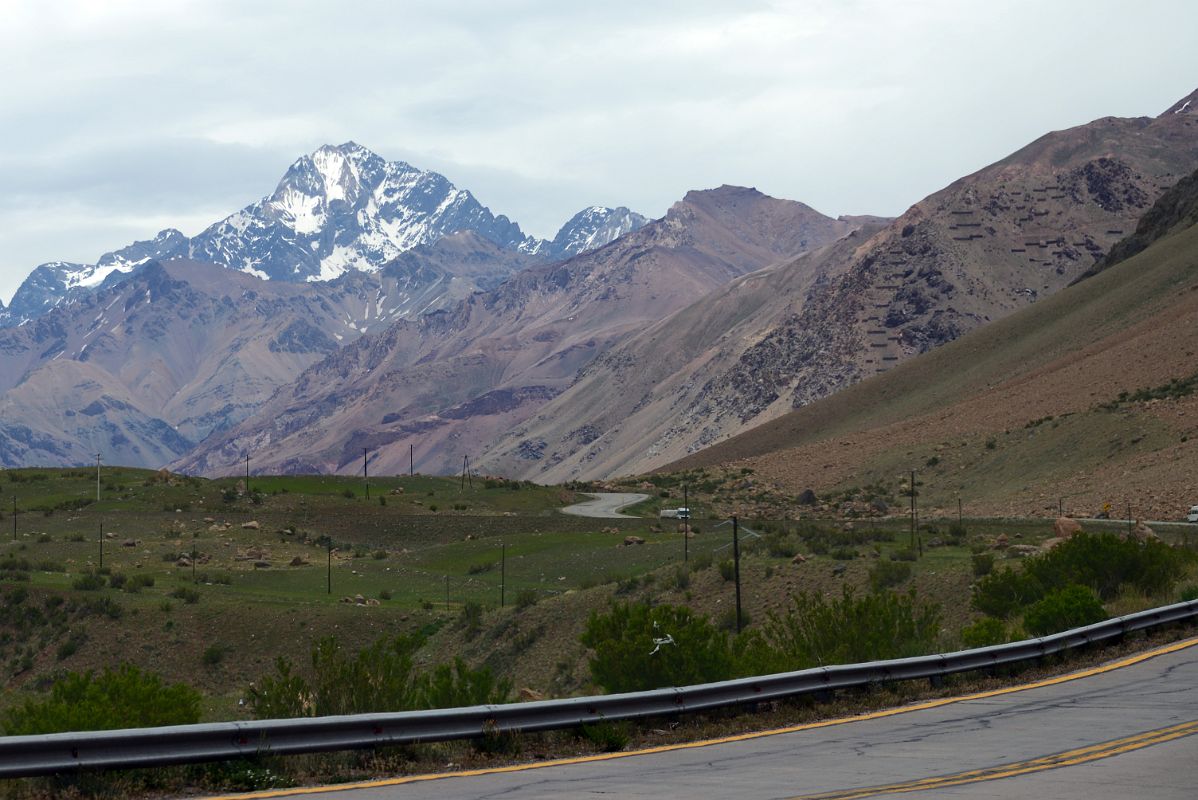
[594,227]
[344,207]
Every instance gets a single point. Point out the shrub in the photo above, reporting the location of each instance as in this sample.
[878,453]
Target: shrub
[138,582]
[701,562]
[479,569]
[379,555]
[957,532]
[117,580]
[1190,593]
[124,697]
[983,564]
[385,594]
[88,582]
[1070,607]
[815,631]
[526,598]
[906,554]
[186,594]
[607,737]
[213,654]
[458,685]
[1000,594]
[348,494]
[682,578]
[886,574]
[640,647]
[844,553]
[470,619]
[727,620]
[986,632]
[727,569]
[1105,562]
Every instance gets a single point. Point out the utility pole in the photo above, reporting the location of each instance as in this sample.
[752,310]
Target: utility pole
[101,545]
[194,555]
[446,592]
[329,568]
[97,477]
[411,460]
[1129,518]
[686,525]
[1061,507]
[736,568]
[959,519]
[502,573]
[14,519]
[365,472]
[247,474]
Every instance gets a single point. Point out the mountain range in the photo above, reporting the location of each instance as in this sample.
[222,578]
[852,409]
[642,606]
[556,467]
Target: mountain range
[368,305]
[1086,399]
[337,209]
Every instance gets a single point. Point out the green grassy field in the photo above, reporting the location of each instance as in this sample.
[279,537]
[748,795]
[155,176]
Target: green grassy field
[185,590]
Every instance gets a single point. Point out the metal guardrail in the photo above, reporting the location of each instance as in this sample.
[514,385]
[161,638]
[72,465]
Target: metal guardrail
[22,756]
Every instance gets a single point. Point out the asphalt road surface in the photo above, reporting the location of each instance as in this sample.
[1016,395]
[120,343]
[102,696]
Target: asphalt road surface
[1110,734]
[606,505]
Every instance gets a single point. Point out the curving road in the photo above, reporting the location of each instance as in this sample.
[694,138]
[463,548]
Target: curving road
[605,505]
[1115,732]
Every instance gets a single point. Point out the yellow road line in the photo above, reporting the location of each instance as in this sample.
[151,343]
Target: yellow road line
[561,762]
[1081,755]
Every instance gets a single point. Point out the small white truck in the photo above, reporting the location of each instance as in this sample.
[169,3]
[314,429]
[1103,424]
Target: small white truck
[675,513]
[1193,515]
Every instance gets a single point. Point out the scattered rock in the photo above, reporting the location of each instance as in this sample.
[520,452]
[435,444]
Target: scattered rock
[209,519]
[1142,533]
[252,525]
[848,526]
[807,498]
[799,558]
[129,543]
[1065,527]
[1022,550]
[397,490]
[1049,544]
[527,694]
[631,540]
[359,600]
[349,600]
[110,535]
[299,561]
[183,561]
[839,569]
[1001,542]
[261,564]
[373,602]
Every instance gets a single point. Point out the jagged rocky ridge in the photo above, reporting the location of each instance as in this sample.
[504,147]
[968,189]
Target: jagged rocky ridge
[337,209]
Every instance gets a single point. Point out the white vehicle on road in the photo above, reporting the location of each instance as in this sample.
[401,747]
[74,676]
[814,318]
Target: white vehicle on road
[1193,515]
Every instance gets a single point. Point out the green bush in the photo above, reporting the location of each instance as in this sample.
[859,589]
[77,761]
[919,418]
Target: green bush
[727,569]
[1001,594]
[887,574]
[470,619]
[1103,563]
[124,697]
[983,564]
[213,654]
[526,598]
[607,737]
[381,677]
[1070,607]
[682,578]
[701,562]
[1190,593]
[187,595]
[88,582]
[640,647]
[906,554]
[986,632]
[849,629]
[457,685]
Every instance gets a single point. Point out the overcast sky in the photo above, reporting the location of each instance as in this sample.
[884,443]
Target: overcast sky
[121,117]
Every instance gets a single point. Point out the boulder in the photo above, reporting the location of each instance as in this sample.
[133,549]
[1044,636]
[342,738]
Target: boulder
[799,558]
[252,525]
[631,540]
[1142,533]
[806,498]
[359,600]
[129,543]
[1001,542]
[1049,544]
[527,695]
[1022,550]
[299,561]
[183,561]
[1065,527]
[261,564]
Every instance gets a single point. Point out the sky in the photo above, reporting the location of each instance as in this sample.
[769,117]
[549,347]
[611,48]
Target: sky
[123,117]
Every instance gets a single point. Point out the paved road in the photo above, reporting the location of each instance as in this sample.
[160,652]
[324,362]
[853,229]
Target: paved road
[1117,734]
[606,505]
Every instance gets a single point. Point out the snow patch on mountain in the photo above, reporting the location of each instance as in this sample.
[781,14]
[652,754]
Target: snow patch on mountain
[594,227]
